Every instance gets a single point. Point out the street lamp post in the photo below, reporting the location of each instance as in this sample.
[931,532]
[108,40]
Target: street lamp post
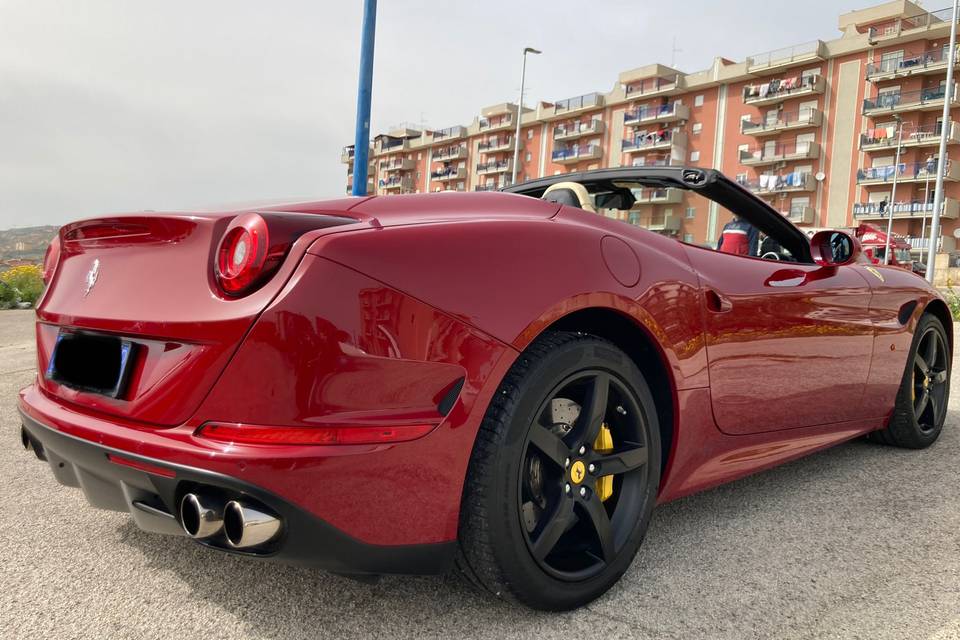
[942,157]
[361,139]
[893,190]
[516,137]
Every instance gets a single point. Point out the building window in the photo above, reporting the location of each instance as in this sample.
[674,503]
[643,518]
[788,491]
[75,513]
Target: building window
[691,212]
[694,156]
[418,175]
[529,134]
[419,156]
[697,127]
[688,238]
[529,157]
[698,101]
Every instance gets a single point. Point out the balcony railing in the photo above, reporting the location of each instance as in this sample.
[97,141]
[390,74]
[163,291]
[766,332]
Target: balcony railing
[665,160]
[347,154]
[396,144]
[799,214]
[450,153]
[576,153]
[495,167]
[651,195]
[790,120]
[653,87]
[656,140]
[900,26]
[485,187]
[913,136]
[907,172]
[448,173]
[780,183]
[875,210]
[772,154]
[496,124]
[896,101]
[783,89]
[496,144]
[450,132]
[926,62]
[396,182]
[662,113]
[577,130]
[585,101]
[402,164]
[786,56]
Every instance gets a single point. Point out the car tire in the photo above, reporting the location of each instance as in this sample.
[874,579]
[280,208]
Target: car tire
[916,423]
[517,498]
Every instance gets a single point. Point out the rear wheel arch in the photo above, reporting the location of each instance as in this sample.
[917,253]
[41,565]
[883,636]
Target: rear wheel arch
[938,308]
[635,340]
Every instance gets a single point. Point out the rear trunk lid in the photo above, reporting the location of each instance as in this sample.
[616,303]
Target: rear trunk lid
[149,280]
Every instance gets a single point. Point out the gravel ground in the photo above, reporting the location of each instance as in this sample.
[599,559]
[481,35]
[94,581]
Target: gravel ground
[857,542]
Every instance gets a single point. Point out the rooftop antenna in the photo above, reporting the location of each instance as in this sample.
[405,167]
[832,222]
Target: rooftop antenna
[673,53]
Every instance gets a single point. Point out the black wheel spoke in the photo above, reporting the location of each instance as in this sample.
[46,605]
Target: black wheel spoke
[549,444]
[623,461]
[553,529]
[934,409]
[601,526]
[921,364]
[921,405]
[931,354]
[938,377]
[596,408]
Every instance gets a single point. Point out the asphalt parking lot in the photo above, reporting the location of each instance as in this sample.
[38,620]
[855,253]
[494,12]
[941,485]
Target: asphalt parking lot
[861,541]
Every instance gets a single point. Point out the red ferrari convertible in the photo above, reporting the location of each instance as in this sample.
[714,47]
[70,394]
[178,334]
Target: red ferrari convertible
[502,382]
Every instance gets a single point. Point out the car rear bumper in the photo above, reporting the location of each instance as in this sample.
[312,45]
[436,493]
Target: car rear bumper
[149,489]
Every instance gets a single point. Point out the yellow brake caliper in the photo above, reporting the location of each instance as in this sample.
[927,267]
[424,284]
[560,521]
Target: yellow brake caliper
[604,444]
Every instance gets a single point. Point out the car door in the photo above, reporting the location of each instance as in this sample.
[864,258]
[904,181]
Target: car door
[788,344]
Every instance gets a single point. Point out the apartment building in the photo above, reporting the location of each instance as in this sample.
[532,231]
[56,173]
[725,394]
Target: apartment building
[813,129]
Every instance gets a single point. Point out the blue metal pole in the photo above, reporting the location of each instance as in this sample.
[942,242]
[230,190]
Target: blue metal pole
[361,143]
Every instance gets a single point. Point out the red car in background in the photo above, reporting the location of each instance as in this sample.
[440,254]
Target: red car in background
[503,382]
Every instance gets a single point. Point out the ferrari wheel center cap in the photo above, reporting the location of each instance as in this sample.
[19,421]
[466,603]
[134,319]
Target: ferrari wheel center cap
[577,472]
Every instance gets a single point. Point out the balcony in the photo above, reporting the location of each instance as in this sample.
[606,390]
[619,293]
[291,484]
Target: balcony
[872,210]
[675,141]
[779,90]
[652,195]
[945,244]
[496,144]
[652,87]
[771,184]
[397,164]
[663,160]
[933,61]
[449,173]
[577,153]
[897,102]
[346,156]
[668,225]
[579,103]
[577,130]
[911,25]
[499,123]
[504,166]
[885,138]
[800,214]
[450,133]
[664,113]
[450,153]
[397,183]
[774,154]
[911,172]
[392,145]
[803,119]
[485,187]
[786,57]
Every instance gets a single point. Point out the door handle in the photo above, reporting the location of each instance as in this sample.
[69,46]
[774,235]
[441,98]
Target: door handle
[716,302]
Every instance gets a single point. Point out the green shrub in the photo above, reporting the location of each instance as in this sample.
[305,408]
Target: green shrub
[953,302]
[26,280]
[9,297]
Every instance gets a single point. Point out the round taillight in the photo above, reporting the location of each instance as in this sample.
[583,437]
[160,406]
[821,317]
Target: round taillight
[51,258]
[242,253]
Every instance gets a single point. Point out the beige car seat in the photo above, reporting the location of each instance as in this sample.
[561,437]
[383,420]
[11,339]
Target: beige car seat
[572,194]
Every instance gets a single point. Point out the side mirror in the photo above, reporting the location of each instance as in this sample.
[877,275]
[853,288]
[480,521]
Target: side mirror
[834,248]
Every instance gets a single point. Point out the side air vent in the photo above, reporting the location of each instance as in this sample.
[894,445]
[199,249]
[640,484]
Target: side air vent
[694,177]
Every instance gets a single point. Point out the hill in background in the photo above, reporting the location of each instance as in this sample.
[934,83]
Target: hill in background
[24,245]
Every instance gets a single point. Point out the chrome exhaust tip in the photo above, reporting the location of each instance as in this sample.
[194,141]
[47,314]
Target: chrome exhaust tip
[246,527]
[25,440]
[201,517]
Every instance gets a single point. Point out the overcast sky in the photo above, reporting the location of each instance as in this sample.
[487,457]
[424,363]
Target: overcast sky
[123,105]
